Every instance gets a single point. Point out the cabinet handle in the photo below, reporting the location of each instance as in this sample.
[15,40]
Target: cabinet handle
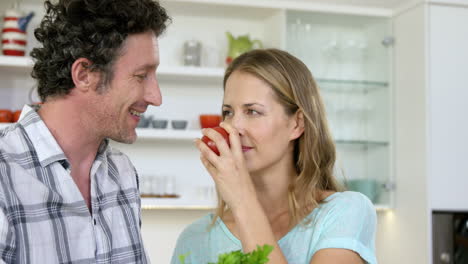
[389,186]
[388,41]
[445,257]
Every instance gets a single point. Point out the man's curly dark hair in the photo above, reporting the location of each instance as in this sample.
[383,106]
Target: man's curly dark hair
[91,29]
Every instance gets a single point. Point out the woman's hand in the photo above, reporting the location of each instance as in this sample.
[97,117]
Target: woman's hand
[228,170]
[233,181]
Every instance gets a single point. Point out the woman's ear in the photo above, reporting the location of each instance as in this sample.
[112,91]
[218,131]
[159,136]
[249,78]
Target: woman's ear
[83,78]
[298,125]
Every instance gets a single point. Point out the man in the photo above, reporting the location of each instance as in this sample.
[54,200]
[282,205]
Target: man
[66,196]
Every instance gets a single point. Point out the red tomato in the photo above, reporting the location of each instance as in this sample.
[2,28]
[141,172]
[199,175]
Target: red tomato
[211,143]
[16,115]
[6,116]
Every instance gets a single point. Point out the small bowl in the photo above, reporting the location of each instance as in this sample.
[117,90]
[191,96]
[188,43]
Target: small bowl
[179,124]
[144,121]
[160,123]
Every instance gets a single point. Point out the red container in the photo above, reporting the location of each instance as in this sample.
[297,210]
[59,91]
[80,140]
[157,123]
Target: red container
[6,116]
[208,121]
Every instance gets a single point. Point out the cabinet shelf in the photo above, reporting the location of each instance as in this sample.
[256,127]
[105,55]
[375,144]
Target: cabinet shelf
[187,203]
[189,135]
[165,72]
[361,143]
[212,74]
[167,134]
[190,73]
[193,204]
[15,62]
[155,134]
[182,135]
[336,85]
[5,125]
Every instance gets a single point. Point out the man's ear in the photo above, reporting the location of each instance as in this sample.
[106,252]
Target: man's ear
[83,78]
[298,125]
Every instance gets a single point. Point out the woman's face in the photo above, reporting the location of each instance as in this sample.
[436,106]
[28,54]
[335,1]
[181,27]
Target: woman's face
[266,132]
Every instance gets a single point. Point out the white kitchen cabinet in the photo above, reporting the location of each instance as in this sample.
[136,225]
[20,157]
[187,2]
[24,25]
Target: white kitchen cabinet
[344,52]
[447,107]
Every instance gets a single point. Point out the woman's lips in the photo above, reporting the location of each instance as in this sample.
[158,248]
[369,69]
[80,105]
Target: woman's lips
[244,148]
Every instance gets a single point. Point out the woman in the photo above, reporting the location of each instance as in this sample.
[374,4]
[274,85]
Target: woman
[275,182]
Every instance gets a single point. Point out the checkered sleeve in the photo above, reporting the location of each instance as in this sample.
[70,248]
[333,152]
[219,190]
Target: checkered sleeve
[7,239]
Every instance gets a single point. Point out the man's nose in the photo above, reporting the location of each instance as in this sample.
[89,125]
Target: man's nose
[153,92]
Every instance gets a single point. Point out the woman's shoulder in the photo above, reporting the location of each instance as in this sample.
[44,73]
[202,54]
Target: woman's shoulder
[346,220]
[197,229]
[345,204]
[190,240]
[347,199]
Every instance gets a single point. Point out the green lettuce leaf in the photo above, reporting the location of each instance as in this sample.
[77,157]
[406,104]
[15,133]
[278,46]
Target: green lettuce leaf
[258,256]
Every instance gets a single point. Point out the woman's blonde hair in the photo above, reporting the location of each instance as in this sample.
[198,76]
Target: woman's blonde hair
[314,151]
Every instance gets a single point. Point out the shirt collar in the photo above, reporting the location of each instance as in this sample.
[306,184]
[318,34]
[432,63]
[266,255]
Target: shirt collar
[47,148]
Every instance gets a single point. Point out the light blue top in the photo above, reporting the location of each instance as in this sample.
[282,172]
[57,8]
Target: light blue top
[346,220]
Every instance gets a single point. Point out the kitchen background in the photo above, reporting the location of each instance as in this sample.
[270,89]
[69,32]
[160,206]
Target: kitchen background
[394,78]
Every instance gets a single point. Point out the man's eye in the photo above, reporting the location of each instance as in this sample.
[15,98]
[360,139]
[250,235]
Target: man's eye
[141,76]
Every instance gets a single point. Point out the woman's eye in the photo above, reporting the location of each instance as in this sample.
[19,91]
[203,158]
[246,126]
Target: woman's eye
[252,112]
[226,113]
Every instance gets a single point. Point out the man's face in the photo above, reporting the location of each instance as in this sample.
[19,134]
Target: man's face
[133,87]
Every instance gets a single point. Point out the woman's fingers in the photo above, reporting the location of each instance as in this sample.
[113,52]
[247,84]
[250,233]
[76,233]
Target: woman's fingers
[209,167]
[218,139]
[207,153]
[234,140]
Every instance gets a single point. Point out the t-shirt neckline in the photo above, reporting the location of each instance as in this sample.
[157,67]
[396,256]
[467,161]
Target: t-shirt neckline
[293,230]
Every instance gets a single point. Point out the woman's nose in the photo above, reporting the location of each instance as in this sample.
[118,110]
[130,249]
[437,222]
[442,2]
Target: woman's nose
[238,123]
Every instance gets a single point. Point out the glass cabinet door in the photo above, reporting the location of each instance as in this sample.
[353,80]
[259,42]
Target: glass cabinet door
[350,58]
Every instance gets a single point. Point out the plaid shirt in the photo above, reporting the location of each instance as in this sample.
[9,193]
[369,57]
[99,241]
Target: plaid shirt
[43,216]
